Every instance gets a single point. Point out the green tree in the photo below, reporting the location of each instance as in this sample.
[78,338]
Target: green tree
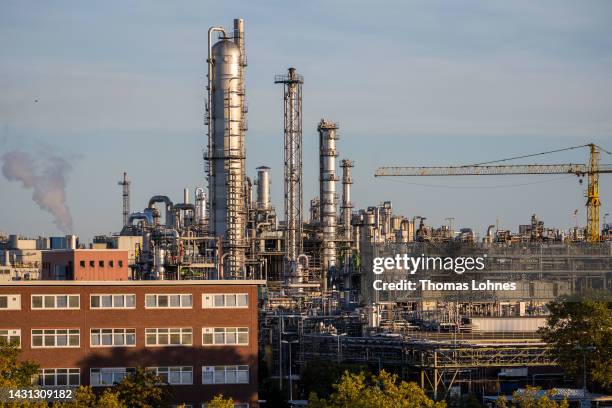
[378,391]
[220,402]
[110,399]
[575,327]
[464,401]
[15,373]
[84,397]
[143,389]
[531,398]
[319,376]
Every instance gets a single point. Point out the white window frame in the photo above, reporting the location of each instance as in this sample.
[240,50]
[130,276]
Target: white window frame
[214,331]
[216,370]
[42,372]
[182,331]
[13,301]
[56,334]
[55,296]
[113,332]
[112,295]
[167,371]
[7,334]
[157,295]
[121,373]
[230,300]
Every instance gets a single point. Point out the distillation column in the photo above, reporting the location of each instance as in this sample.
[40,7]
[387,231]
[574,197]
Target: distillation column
[125,183]
[327,181]
[347,206]
[226,146]
[292,83]
[263,188]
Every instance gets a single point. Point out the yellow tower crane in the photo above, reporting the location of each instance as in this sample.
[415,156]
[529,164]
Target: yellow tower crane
[591,170]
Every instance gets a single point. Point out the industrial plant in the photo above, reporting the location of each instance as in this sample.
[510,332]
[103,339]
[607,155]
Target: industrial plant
[318,300]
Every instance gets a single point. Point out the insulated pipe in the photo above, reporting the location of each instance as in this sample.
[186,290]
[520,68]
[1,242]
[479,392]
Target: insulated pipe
[169,205]
[140,216]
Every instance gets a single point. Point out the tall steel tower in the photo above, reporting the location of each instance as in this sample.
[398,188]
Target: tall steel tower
[125,183]
[327,183]
[347,205]
[292,84]
[226,120]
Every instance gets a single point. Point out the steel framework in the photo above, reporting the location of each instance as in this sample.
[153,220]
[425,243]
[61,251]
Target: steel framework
[125,184]
[292,84]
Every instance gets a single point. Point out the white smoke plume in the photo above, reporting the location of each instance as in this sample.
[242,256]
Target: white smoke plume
[46,175]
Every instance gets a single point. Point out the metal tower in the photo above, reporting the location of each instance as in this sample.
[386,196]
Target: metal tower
[292,83]
[226,120]
[327,183]
[125,183]
[347,205]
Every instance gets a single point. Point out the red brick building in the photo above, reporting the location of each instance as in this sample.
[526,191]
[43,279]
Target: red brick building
[201,336]
[85,264]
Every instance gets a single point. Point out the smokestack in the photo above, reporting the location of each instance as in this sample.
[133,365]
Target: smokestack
[48,186]
[294,207]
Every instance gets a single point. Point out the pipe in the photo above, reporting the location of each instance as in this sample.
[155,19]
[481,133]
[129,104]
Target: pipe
[304,256]
[169,205]
[147,217]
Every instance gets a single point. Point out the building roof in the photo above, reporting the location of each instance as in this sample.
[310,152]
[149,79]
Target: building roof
[209,282]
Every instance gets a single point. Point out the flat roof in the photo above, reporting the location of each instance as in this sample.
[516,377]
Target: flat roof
[194,282]
[84,250]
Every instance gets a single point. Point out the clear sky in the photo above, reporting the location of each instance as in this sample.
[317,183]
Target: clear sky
[114,86]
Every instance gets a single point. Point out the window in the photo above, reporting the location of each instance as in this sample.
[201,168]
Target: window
[174,375]
[82,264]
[115,301]
[10,302]
[174,301]
[120,263]
[10,336]
[169,337]
[111,264]
[225,300]
[235,374]
[55,302]
[92,264]
[225,335]
[99,377]
[55,338]
[55,377]
[101,264]
[113,337]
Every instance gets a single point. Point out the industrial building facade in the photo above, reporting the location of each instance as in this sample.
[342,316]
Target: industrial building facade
[200,336]
[85,264]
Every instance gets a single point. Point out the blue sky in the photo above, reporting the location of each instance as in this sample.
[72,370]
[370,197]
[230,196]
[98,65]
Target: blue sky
[120,87]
